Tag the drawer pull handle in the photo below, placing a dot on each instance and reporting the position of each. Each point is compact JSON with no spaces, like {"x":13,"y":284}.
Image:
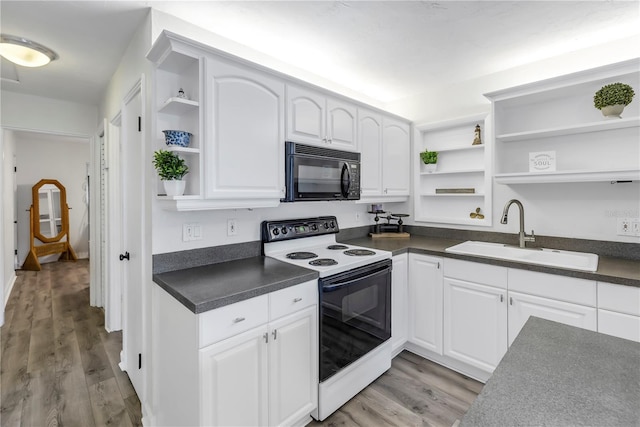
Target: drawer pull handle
{"x":297,"y":299}
{"x":275,"y":334}
{"x":238,"y":319}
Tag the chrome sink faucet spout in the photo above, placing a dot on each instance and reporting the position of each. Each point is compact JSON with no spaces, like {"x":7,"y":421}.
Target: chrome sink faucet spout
{"x":522,"y":236}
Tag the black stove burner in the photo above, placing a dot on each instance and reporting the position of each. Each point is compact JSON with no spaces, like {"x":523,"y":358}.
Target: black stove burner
{"x":359,"y":252}
{"x":301,"y":255}
{"x":337,"y":247}
{"x":323,"y":262}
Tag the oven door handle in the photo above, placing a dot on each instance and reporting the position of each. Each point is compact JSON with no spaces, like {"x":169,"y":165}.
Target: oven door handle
{"x":345,"y":185}
{"x":340,"y":285}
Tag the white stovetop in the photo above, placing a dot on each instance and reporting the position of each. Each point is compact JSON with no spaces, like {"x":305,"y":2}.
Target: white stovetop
{"x":318,"y":245}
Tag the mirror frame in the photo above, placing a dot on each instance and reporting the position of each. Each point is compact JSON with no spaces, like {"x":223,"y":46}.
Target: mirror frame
{"x":64,"y":212}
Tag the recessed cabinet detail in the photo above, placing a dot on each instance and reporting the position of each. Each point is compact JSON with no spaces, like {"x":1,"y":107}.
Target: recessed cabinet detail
{"x":459,"y":190}
{"x":558,"y":115}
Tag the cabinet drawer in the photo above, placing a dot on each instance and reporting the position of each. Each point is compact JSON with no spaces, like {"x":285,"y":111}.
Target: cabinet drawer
{"x":476,"y":272}
{"x":562,"y":288}
{"x":624,"y":299}
{"x":619,"y":325}
{"x":292,"y":299}
{"x":223,"y":322}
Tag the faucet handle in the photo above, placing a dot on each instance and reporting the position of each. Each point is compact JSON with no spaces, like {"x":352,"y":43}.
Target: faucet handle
{"x":531,"y":237}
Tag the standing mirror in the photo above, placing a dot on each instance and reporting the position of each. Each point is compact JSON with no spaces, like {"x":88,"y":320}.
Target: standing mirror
{"x":49,"y":223}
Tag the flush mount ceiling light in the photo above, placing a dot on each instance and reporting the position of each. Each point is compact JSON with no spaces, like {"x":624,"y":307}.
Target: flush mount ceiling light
{"x":25,"y":52}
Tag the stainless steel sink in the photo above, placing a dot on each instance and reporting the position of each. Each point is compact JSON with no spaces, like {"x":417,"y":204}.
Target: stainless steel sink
{"x":550,"y":257}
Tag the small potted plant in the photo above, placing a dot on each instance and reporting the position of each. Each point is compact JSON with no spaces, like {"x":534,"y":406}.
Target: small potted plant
{"x":612,"y":98}
{"x":430,"y":159}
{"x":171,"y":169}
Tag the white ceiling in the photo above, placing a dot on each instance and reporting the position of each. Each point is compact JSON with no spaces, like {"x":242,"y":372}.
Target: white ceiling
{"x":387,"y":50}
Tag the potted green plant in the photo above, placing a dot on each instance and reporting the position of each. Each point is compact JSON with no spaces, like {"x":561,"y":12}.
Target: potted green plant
{"x":171,"y":169}
{"x":612,"y":98}
{"x":430,"y":159}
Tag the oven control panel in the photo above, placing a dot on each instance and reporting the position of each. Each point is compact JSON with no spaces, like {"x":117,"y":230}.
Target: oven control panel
{"x":273,"y":231}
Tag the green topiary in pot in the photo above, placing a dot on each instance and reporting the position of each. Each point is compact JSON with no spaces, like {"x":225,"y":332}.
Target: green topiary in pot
{"x":429,"y":157}
{"x":614,"y":94}
{"x":169,"y":165}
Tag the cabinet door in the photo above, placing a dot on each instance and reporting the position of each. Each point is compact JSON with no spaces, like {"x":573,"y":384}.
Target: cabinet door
{"x":475,"y":323}
{"x":399,"y":302}
{"x":425,"y":302}
{"x":370,"y":146}
{"x":293,"y":367}
{"x":619,"y":325}
{"x":396,"y":166}
{"x":244,"y":147}
{"x":306,"y":116}
{"x":341,"y":125}
{"x":521,"y":306}
{"x":234,"y":381}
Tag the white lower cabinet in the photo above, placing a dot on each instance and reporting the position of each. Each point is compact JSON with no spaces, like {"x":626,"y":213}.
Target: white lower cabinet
{"x":475,"y":323}
{"x":619,"y":311}
{"x":399,"y":303}
{"x":425,"y":302}
{"x":254,"y":362}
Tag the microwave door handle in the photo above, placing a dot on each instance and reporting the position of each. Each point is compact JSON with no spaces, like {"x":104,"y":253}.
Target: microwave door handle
{"x":345,"y":186}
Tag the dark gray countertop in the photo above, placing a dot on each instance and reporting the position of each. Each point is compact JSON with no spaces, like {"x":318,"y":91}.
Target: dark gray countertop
{"x":211,"y":286}
{"x":559,"y":375}
{"x":612,"y":270}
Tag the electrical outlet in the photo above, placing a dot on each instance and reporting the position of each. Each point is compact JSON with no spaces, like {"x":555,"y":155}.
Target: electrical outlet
{"x":357,"y":216}
{"x":191,"y":232}
{"x":629,"y":227}
{"x":232,"y":227}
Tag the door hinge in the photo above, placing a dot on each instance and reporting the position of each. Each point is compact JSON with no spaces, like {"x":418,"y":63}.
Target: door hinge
{"x":139,"y":360}
{"x":15,"y":169}
{"x":139,"y":124}
{"x":15,"y":252}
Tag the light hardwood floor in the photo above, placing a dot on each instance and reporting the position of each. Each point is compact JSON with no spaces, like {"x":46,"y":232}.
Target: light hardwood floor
{"x":58,"y":364}
{"x":60,"y":367}
{"x":414,"y":392}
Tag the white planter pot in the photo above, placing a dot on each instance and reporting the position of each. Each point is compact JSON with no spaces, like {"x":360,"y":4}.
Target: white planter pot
{"x":431,"y":167}
{"x":612,"y":111}
{"x":174,"y":188}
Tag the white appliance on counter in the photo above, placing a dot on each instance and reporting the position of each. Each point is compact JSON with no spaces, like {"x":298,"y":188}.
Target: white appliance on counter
{"x":355,"y":304}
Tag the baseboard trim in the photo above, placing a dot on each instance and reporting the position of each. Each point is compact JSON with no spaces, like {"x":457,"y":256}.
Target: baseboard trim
{"x":7,"y":294}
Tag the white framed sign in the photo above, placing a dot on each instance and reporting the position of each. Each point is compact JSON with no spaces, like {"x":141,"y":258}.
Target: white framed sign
{"x":542,"y":161}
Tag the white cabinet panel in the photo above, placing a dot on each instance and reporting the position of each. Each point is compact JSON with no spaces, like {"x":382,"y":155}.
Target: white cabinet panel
{"x":620,"y":298}
{"x":475,"y":323}
{"x":234,"y":384}
{"x":476,"y":272}
{"x":396,"y":166}
{"x":425,"y":302}
{"x":619,"y":325}
{"x":370,"y":145}
{"x":521,"y":306}
{"x":244,"y":148}
{"x":293,"y":367}
{"x":562,"y":288}
{"x":399,"y":303}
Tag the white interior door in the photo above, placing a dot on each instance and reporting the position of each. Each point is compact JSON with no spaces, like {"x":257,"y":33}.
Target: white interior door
{"x":132,"y":193}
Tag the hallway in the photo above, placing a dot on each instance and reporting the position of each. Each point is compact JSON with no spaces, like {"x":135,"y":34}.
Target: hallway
{"x":58,"y":364}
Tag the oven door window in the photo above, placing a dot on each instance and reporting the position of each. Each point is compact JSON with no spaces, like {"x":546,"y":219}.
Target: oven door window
{"x":355,"y":319}
{"x":315,"y":178}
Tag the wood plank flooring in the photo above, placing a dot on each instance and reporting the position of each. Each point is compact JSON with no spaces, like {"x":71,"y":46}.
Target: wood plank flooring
{"x":58,"y":365}
{"x":414,"y":392}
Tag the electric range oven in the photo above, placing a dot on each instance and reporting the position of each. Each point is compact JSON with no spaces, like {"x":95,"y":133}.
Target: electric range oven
{"x":355,"y":304}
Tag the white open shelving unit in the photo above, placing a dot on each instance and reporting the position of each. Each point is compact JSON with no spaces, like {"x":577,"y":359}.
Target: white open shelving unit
{"x":558,"y":115}
{"x":460,"y":165}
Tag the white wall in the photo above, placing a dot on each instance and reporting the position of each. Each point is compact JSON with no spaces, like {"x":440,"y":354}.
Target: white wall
{"x":36,"y":113}
{"x":41,"y":156}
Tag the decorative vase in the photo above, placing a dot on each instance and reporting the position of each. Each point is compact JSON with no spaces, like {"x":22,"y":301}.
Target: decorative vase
{"x":612,"y":111}
{"x":174,"y":187}
{"x":430,"y":167}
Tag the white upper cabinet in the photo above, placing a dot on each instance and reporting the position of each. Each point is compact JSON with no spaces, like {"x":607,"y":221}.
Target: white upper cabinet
{"x":317,"y":119}
{"x":384,"y":144}
{"x":244,"y":115}
{"x":557,"y":115}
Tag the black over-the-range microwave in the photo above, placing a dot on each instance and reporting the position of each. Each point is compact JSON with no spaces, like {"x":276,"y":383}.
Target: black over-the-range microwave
{"x":319,"y":173}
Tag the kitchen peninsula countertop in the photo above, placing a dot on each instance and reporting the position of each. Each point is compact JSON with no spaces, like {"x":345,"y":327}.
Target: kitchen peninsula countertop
{"x":611,"y":270}
{"x":559,"y":375}
{"x":215,"y":285}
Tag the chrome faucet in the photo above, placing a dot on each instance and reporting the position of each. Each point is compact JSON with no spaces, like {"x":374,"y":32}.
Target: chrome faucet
{"x":522,"y":236}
